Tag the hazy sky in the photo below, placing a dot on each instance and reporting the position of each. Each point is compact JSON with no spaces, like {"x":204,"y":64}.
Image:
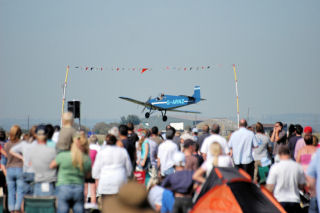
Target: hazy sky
{"x":275,"y":45}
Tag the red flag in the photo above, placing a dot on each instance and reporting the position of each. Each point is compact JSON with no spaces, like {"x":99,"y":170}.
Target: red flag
{"x":143,"y":70}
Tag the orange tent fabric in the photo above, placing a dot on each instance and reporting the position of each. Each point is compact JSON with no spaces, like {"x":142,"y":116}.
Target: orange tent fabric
{"x":219,"y":199}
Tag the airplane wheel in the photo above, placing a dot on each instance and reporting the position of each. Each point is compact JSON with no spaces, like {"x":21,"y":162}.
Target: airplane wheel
{"x":164,"y":118}
{"x":147,"y":115}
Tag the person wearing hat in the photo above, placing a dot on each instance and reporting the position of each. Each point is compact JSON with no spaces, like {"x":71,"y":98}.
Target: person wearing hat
{"x":124,"y":202}
{"x":301,"y":143}
{"x":181,"y":184}
{"x":40,"y":159}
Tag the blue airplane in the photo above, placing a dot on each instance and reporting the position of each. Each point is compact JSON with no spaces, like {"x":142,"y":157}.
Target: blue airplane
{"x":165,"y":103}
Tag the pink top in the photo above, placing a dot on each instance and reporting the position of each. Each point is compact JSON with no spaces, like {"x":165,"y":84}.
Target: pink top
{"x":304,"y":156}
{"x":299,"y":145}
{"x":305,"y":159}
{"x":93,"y":154}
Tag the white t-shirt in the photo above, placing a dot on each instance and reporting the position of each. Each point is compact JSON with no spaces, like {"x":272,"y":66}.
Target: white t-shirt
{"x":205,"y":148}
{"x":166,"y":152}
{"x":55,"y":137}
{"x":286,"y":176}
{"x":112,"y":166}
{"x":223,"y":161}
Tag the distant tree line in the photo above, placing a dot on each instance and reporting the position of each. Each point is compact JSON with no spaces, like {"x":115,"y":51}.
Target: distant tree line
{"x":102,"y":128}
{"x":130,"y":119}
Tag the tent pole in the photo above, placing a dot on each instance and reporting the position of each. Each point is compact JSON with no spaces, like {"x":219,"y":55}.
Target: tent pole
{"x":64,"y":93}
{"x":237,"y":93}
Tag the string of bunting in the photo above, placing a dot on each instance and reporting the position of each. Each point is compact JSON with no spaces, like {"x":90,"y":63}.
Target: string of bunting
{"x":144,"y":69}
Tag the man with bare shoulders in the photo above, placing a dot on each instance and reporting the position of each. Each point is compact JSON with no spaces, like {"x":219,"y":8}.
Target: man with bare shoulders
{"x":66,"y":133}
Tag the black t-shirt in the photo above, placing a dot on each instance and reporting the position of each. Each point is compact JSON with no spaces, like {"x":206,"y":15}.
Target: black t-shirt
{"x":200,"y":159}
{"x":129,"y":145}
{"x":133,"y":137}
{"x":292,"y":144}
{"x":201,"y":138}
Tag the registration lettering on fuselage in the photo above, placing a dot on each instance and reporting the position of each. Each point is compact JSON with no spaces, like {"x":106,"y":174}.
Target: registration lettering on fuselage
{"x":175,"y":101}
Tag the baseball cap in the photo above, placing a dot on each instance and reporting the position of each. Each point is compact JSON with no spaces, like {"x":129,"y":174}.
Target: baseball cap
{"x":41,"y":130}
{"x":179,"y":159}
{"x":307,"y":129}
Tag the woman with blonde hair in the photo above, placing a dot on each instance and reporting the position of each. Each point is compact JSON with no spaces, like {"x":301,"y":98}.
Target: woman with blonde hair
{"x":14,"y":171}
{"x":74,"y":166}
{"x":218,"y":160}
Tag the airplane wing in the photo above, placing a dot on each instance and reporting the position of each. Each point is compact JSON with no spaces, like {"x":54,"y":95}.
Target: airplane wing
{"x":139,"y":102}
{"x":184,"y":111}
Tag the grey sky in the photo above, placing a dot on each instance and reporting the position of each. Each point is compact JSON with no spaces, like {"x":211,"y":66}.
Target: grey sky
{"x":275,"y":45}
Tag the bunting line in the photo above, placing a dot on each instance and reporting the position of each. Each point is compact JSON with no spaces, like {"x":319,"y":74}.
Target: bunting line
{"x":143,"y":69}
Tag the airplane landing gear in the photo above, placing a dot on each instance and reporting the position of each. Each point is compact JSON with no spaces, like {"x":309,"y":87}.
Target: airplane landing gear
{"x":164,"y":118}
{"x":147,"y":115}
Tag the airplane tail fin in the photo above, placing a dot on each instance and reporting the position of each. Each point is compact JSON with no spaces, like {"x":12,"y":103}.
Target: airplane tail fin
{"x":196,"y":93}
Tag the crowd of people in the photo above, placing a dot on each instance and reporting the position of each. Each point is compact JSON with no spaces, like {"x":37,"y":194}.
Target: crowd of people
{"x":82,"y":173}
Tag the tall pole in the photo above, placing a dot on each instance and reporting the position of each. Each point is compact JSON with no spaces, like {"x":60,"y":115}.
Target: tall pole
{"x":28,"y":122}
{"x":64,"y":92}
{"x":237,"y":93}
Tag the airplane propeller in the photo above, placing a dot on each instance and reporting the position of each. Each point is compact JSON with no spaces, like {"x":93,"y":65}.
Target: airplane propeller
{"x":146,"y":103}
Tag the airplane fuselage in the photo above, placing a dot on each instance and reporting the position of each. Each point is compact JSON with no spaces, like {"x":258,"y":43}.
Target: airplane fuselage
{"x":171,"y":101}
